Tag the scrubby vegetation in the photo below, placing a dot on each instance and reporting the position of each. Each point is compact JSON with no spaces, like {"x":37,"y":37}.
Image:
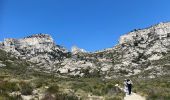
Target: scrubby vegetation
{"x":59,"y":88}
{"x":76,"y":88}
{"x":17,"y":80}
{"x":153,"y":89}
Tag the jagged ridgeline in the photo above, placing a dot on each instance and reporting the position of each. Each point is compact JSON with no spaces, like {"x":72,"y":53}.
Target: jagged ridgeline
{"x":141,"y":53}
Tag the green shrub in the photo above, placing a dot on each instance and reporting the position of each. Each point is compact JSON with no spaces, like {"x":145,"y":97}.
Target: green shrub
{"x":53,"y":89}
{"x":39,"y":83}
{"x":26,"y":88}
{"x":5,"y":96}
{"x":153,"y":89}
{"x":63,"y":96}
{"x":60,"y":96}
{"x":6,"y":86}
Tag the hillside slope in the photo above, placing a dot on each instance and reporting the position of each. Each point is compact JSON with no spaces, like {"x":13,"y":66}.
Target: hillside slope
{"x":136,"y":53}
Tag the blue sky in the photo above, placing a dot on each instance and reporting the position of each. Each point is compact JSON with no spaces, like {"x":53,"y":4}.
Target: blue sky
{"x":89,"y":24}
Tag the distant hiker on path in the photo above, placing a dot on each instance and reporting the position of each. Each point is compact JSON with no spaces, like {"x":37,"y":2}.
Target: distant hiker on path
{"x":129,"y":85}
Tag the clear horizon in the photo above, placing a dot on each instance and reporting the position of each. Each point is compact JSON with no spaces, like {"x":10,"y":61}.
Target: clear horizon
{"x":89,"y":24}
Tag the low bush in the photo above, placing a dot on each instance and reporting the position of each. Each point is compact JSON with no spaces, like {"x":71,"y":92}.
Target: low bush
{"x":153,"y":89}
{"x":53,"y":89}
{"x":26,"y":88}
{"x":59,"y":96}
{"x":6,"y":86}
{"x":63,"y":96}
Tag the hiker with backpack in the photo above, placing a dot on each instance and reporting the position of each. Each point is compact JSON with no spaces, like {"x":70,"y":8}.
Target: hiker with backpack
{"x":129,"y":85}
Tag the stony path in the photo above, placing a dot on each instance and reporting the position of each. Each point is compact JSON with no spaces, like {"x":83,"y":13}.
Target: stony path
{"x":134,"y":96}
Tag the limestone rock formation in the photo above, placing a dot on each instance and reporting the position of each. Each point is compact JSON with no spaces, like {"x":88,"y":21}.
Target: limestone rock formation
{"x":76,"y":50}
{"x":38,"y":48}
{"x":142,"y":52}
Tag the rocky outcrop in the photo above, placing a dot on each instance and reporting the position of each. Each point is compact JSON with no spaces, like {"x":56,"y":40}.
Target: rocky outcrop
{"x":76,"y":50}
{"x":136,"y":54}
{"x":147,"y":44}
{"x":39,"y":49}
{"x":140,"y":48}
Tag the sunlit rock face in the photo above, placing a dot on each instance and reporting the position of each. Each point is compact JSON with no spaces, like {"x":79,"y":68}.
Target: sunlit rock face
{"x":38,"y":48}
{"x":137,"y":53}
{"x":40,"y":42}
{"x":140,"y":48}
{"x":158,"y":31}
{"x":148,"y":41}
{"x":76,"y":50}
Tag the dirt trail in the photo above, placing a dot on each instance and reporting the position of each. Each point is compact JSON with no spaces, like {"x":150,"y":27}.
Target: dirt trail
{"x":134,"y":96}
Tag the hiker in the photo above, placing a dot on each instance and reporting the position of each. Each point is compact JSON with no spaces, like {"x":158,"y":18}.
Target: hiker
{"x":125,"y":86}
{"x":129,"y":85}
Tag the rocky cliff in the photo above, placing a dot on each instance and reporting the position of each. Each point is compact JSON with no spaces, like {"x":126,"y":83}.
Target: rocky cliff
{"x":142,"y":52}
{"x":39,"y":49}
